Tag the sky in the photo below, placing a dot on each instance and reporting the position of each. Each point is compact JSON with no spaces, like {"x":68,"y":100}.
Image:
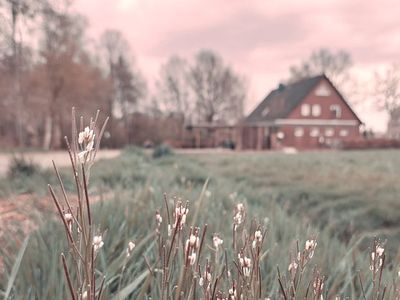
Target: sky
{"x":261,"y":39}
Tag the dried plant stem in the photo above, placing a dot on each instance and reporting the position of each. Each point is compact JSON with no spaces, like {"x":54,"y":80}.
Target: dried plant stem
{"x":65,"y":195}
{"x":69,"y":235}
{"x":101,"y":288}
{"x":281,"y":285}
{"x":86,"y":197}
{"x":67,"y":275}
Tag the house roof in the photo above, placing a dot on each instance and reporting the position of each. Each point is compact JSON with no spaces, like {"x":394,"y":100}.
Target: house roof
{"x":279,"y":103}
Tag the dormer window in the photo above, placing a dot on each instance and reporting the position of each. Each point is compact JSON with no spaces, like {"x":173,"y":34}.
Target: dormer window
{"x":336,"y":110}
{"x":265,"y":112}
{"x":323,"y":90}
{"x":305,"y":110}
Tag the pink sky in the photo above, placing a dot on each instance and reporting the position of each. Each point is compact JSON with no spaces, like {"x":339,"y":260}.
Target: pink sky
{"x":261,"y":39}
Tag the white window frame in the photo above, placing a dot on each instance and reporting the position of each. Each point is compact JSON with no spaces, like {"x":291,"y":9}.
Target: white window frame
{"x":305,"y":110}
{"x":316,"y":110}
{"x":344,"y":132}
{"x":280,"y":135}
{"x":323,"y":90}
{"x":298,"y":132}
{"x":337,"y":110}
{"x":314,"y":132}
{"x":329,"y":132}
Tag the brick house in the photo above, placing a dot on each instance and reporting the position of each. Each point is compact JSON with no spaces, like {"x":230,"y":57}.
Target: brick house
{"x":307,"y":114}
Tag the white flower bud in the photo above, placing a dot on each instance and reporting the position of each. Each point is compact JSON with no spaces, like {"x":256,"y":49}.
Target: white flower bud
{"x":97,"y":242}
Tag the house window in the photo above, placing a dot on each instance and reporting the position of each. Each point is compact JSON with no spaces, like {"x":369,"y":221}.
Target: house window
{"x":298,"y":132}
{"x":343,"y":132}
{"x":265,"y":112}
{"x":314,"y":132}
{"x":336,"y":110}
{"x":316,"y":110}
{"x":329,"y":132}
{"x":305,"y":110}
{"x":323,"y":91}
{"x":280,"y":135}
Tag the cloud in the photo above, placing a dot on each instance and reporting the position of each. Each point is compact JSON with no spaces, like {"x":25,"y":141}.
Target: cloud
{"x":236,"y":35}
{"x":125,"y":5}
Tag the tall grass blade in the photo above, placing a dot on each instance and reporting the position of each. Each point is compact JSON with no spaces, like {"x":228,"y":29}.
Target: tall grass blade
{"x":125,"y":292}
{"x":199,"y":201}
{"x":15,"y":268}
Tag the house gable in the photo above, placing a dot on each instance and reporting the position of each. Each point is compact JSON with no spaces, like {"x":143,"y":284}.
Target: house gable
{"x":285,"y":102}
{"x":325,"y":96}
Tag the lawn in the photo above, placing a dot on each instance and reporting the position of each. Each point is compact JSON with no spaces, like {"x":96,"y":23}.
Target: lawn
{"x":354,"y":192}
{"x":343,"y":199}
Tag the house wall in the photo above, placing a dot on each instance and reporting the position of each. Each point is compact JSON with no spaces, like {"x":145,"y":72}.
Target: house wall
{"x":325,"y":102}
{"x":322,"y":140}
{"x":310,"y":142}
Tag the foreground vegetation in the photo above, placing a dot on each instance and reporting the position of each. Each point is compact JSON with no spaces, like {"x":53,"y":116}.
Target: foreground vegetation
{"x":293,"y":199}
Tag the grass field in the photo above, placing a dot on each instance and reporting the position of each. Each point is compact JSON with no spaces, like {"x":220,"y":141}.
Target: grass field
{"x":344,"y":199}
{"x":348,"y":192}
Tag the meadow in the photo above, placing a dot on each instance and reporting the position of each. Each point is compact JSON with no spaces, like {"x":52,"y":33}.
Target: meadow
{"x":343,"y":200}
{"x":349,"y":192}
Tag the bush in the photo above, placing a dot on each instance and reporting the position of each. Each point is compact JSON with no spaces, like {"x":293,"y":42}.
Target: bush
{"x":229,"y":144}
{"x":162,"y":150}
{"x":22,"y":167}
{"x":25,"y":176}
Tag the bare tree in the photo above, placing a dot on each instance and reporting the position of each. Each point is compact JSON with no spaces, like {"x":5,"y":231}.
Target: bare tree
{"x":334,"y":65}
{"x":129,"y":85}
{"x":387,"y":92}
{"x":61,"y":48}
{"x":173,"y":92}
{"x":17,"y":11}
{"x":114,"y":46}
{"x":219,"y":92}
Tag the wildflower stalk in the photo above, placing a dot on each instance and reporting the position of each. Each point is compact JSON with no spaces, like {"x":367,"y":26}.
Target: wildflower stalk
{"x":78,"y":226}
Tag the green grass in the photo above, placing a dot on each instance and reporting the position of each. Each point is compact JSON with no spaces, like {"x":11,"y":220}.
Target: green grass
{"x":344,"y":198}
{"x":349,"y":192}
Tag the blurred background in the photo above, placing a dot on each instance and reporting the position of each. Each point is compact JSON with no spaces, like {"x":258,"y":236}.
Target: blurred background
{"x":145,"y":64}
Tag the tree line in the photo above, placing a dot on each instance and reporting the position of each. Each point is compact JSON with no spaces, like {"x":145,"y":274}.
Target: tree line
{"x":41,"y":80}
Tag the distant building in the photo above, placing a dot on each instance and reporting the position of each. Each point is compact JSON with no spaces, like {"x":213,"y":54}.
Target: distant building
{"x":307,"y":114}
{"x":393,"y":128}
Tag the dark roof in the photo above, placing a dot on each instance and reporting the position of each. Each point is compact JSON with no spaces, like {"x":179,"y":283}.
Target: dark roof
{"x":280,"y":102}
